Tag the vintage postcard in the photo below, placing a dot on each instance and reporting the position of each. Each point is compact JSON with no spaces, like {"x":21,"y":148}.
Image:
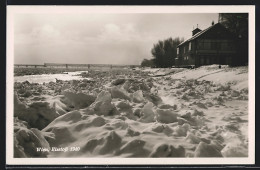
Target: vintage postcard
{"x":119,"y":85}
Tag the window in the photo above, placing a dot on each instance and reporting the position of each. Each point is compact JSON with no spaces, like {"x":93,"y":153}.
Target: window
{"x":207,"y":45}
{"x":227,"y":45}
{"x":200,"y":46}
{"x":224,"y":46}
{"x":177,"y":50}
{"x":208,"y":61}
{"x":214,"y":45}
{"x":184,"y":49}
{"x":190,"y":46}
{"x":201,"y":60}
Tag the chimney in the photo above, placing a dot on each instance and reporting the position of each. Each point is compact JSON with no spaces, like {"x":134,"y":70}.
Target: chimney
{"x":196,"y":30}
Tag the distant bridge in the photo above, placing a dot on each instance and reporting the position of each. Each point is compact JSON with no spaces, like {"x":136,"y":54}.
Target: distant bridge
{"x":59,"y":65}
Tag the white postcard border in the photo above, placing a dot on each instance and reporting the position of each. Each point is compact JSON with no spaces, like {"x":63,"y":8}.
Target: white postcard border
{"x":13,"y":10}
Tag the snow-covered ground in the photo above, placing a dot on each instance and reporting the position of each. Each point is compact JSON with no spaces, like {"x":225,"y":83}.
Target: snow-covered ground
{"x":174,"y":112}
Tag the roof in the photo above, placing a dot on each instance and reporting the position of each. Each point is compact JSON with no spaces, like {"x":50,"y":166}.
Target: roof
{"x":198,"y":34}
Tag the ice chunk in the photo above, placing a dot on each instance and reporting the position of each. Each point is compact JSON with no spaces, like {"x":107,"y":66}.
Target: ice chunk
{"x":57,"y":103}
{"x":158,"y":128}
{"x":201,"y":105}
{"x":103,"y":108}
{"x":231,"y":150}
{"x":224,"y":88}
{"x":18,"y":150}
{"x":102,"y":105}
{"x":112,"y":143}
{"x":134,"y":147}
{"x":91,"y":145}
{"x":147,"y":113}
{"x":27,"y":141}
{"x":19,"y":123}
{"x":206,"y":150}
{"x":181,"y":130}
{"x":123,"y":106}
{"x":98,"y":121}
{"x":186,"y":114}
{"x":104,"y":96}
{"x":137,"y":112}
{"x":26,"y":94}
{"x":235,"y":93}
{"x":119,"y":93}
{"x":132,"y":132}
{"x":166,"y":116}
{"x":165,"y":150}
{"x":118,"y":81}
{"x":217,"y":145}
{"x":18,"y":105}
{"x":138,"y":96}
{"x":79,"y":100}
{"x":184,"y":97}
{"x":155,"y":99}
{"x":37,"y":114}
{"x":167,"y":106}
{"x":196,"y":112}
{"x":191,"y":138}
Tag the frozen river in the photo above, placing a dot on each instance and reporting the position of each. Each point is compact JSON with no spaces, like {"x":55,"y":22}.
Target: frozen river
{"x":45,"y":78}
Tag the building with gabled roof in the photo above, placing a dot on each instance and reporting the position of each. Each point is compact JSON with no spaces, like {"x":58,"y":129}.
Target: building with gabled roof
{"x":214,"y":45}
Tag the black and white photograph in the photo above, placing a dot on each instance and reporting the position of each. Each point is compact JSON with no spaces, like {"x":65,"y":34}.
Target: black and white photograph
{"x":160,"y":84}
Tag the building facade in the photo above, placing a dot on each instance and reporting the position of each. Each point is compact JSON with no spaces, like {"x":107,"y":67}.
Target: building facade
{"x":214,"y":45}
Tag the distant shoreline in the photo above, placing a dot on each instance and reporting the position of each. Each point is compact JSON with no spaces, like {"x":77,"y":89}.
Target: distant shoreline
{"x":22,"y":71}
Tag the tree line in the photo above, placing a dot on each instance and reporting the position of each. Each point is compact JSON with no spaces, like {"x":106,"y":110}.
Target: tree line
{"x":164,"y":53}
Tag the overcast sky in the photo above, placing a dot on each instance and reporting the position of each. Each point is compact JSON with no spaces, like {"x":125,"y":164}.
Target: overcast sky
{"x":98,"y":38}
